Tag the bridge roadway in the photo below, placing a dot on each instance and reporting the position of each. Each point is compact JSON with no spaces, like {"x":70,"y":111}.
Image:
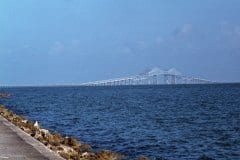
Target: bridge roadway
{"x":17,"y":145}
{"x":154,"y":76}
{"x":150,"y":79}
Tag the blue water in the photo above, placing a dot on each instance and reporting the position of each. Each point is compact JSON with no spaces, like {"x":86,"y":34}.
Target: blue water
{"x":161,"y":122}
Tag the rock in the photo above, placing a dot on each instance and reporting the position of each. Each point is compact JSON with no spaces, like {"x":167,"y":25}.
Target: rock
{"x":37,"y":135}
{"x":74,"y":156}
{"x":27,"y":130}
{"x":2,"y":109}
{"x":40,"y":138}
{"x":53,"y":148}
{"x":24,"y":121}
{"x":30,"y":125}
{"x":64,"y":155}
{"x":108,"y":155}
{"x":59,"y":148}
{"x":70,"y":141}
{"x":69,"y":155}
{"x":44,"y":132}
{"x":17,"y":120}
{"x":88,"y":156}
{"x":55,"y":139}
{"x":85,"y":154}
{"x":85,"y":148}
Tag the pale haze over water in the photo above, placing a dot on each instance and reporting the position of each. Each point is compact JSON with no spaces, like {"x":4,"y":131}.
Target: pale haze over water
{"x":71,"y":41}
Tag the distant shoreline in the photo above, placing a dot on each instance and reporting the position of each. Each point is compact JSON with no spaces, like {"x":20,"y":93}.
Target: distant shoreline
{"x":4,"y":95}
{"x":75,"y":85}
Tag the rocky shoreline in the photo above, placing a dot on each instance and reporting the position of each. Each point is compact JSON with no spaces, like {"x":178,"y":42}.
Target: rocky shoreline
{"x":67,"y":147}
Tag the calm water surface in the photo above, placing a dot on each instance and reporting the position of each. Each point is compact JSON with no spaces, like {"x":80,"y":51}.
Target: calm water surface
{"x":162,"y":122}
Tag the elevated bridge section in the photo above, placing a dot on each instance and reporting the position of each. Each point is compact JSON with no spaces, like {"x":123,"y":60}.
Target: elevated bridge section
{"x":155,"y":76}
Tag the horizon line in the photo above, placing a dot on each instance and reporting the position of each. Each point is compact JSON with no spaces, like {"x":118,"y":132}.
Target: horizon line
{"x":80,"y":85}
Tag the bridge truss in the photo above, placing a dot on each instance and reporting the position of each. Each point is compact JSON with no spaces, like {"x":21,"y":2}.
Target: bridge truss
{"x":152,"y":77}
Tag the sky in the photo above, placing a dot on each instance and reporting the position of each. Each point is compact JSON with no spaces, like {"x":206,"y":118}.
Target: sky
{"x":46,"y":42}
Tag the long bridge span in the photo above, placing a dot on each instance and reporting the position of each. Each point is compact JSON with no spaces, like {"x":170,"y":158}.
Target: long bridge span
{"x":154,"y":76}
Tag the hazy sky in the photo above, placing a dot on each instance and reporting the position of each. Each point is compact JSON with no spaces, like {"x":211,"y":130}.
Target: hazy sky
{"x":74,"y":41}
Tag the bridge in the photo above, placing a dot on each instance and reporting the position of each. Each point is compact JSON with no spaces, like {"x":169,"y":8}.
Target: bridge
{"x":154,"y":76}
